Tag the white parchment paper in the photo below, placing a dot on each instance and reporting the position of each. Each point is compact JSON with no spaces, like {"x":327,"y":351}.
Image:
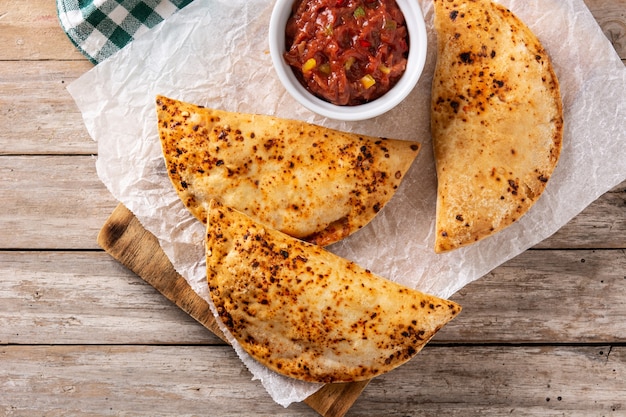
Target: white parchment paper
{"x":215,"y":53}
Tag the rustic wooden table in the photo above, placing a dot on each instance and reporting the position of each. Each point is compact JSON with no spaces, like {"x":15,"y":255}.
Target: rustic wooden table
{"x":543,"y":334}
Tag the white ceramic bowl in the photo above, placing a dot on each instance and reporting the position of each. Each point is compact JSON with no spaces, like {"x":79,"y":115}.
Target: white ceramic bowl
{"x":415,"y":64}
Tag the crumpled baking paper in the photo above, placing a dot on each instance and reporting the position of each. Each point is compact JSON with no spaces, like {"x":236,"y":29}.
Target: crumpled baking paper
{"x":215,"y":53}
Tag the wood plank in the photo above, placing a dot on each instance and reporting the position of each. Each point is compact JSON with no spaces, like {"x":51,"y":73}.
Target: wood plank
{"x":604,"y":217}
{"x":86,"y":298}
{"x":189,"y":380}
{"x":68,"y":188}
{"x":502,"y":381}
{"x":51,"y":202}
{"x":611,"y":16}
{"x":89,"y":298}
{"x":131,"y":380}
{"x":37,"y":113}
{"x":552,"y":296}
{"x":30,"y":30}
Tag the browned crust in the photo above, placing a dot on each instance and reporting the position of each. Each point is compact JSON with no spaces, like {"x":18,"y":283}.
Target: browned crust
{"x":308,"y":314}
{"x":496,"y":119}
{"x":308,"y":181}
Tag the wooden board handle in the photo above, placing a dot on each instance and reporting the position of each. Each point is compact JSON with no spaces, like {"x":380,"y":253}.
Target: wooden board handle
{"x":126,"y":240}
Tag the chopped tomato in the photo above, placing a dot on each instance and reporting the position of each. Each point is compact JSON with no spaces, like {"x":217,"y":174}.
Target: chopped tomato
{"x":347,"y":52}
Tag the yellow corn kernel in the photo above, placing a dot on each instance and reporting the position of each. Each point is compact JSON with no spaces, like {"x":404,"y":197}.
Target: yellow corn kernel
{"x":384,"y":69}
{"x":367,"y":81}
{"x":309,"y":65}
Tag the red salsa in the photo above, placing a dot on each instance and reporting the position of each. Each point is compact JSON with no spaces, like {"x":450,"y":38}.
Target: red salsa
{"x":347,"y":52}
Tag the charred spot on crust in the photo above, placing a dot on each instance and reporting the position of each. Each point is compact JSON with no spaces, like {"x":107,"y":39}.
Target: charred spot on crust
{"x":466,"y":57}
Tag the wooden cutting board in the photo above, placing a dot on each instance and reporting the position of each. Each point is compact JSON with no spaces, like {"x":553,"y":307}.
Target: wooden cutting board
{"x":124,"y":238}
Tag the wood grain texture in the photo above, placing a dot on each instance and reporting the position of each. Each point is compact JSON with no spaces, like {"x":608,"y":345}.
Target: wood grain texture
{"x":35,"y":71}
{"x":37,"y":113}
{"x":29,"y":30}
{"x":491,"y":381}
{"x":611,"y":16}
{"x":539,"y":297}
{"x":51,"y":202}
{"x":67,"y":187}
{"x":541,"y":335}
{"x":602,"y":225}
{"x":132,"y":381}
{"x":189,"y":380}
{"x":123,"y":237}
{"x":553,"y":296}
{"x":86,"y":298}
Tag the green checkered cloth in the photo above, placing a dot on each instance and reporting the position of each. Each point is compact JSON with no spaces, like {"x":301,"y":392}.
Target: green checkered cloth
{"x":99,"y":28}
